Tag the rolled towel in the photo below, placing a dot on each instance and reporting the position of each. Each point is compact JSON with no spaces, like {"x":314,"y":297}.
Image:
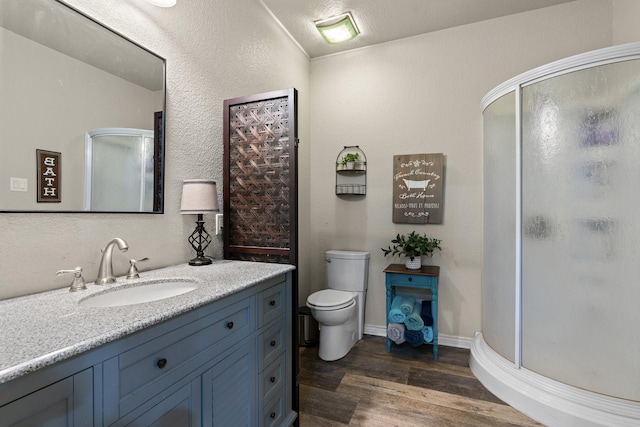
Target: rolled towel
{"x":427,"y":333}
{"x":395,"y":313}
{"x":425,"y":313}
{"x":413,"y":321}
{"x":407,"y":305}
{"x":395,"y":332}
{"x":414,"y":338}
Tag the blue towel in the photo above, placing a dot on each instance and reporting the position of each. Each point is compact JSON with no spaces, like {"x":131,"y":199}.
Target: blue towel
{"x":427,"y":333}
{"x":413,"y":321}
{"x":414,"y":338}
{"x":407,"y":305}
{"x":425,"y":313}
{"x":395,"y":332}
{"x":395,"y":314}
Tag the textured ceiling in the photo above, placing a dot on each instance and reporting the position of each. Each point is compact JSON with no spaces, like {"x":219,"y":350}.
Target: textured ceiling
{"x":380,"y":21}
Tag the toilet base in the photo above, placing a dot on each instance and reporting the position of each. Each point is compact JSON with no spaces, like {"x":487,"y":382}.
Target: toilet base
{"x":336,"y":341}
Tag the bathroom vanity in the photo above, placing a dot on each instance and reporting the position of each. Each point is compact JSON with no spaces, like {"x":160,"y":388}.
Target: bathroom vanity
{"x":220,"y":354}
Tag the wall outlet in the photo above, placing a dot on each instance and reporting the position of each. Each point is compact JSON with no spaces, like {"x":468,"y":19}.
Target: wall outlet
{"x":219,"y":222}
{"x":17,"y":184}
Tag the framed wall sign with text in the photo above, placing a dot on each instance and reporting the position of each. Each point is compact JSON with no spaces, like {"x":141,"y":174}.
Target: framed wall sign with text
{"x":417,"y":188}
{"x":48,"y":176}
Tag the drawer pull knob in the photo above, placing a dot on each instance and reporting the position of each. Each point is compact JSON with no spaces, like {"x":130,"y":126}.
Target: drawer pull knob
{"x":162,"y":363}
{"x":273,"y":415}
{"x":272,"y":303}
{"x":272,"y":379}
{"x":410,"y":279}
{"x":273,"y":343}
{"x":230,"y":325}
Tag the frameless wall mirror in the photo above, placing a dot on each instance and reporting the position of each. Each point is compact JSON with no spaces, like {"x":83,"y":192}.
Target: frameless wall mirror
{"x":64,"y":79}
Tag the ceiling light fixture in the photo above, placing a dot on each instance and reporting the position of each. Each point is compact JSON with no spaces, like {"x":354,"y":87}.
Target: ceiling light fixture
{"x":162,"y":3}
{"x":338,"y":29}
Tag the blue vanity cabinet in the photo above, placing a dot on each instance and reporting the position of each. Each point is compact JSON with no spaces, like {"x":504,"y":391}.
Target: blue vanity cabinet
{"x":205,"y":367}
{"x":227,"y":363}
{"x":160,"y":359}
{"x":68,"y":402}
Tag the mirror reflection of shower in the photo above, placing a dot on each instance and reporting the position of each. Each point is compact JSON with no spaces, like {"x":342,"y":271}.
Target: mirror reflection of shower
{"x":119,"y":170}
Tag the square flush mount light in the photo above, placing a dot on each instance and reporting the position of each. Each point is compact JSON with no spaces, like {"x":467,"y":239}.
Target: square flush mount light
{"x":338,"y":29}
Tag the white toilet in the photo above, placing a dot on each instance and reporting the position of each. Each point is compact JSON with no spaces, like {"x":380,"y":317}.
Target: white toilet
{"x":339,"y":310}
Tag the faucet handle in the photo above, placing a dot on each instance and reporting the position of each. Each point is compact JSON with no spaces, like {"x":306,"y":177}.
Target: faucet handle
{"x":78,"y":281}
{"x":133,"y":272}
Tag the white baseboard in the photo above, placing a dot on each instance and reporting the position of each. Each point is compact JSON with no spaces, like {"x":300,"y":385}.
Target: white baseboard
{"x":550,"y":402}
{"x":446,"y":340}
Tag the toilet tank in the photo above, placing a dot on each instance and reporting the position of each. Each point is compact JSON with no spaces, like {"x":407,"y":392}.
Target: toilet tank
{"x":347,"y":270}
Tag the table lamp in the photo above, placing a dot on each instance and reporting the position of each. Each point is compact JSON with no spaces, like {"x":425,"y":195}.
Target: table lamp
{"x":199,"y":196}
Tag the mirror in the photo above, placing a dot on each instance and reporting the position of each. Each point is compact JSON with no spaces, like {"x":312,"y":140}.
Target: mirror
{"x":64,"y":80}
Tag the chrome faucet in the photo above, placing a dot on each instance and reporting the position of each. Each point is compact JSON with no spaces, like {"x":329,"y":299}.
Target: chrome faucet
{"x":105,"y":271}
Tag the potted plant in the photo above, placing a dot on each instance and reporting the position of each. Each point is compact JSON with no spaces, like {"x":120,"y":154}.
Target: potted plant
{"x":349,"y":160}
{"x":413,"y":246}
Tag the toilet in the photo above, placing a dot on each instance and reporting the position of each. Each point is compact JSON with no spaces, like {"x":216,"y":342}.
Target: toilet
{"x":339,"y":309}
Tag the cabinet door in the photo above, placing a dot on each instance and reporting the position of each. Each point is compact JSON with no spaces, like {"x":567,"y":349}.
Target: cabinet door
{"x":68,"y":402}
{"x":181,"y":408}
{"x":229,"y":390}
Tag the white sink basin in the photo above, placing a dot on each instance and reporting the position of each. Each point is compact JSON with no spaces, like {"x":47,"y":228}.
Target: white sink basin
{"x":143,"y":292}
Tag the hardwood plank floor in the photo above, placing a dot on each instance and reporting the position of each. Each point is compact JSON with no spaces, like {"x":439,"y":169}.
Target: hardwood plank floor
{"x":370,"y":387}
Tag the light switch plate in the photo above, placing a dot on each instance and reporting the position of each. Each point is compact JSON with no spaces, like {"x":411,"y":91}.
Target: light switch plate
{"x":17,"y":184}
{"x":219,"y":222}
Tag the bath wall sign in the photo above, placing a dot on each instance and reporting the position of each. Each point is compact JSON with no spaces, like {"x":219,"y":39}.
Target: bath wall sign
{"x":417,"y":188}
{"x":48,"y":163}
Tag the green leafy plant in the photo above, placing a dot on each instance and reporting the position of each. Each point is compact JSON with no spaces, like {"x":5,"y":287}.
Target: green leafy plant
{"x":412,"y":245}
{"x":350,"y":157}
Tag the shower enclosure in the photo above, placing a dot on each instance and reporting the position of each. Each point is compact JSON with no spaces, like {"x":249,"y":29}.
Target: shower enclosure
{"x":119,"y":170}
{"x":561,"y":260}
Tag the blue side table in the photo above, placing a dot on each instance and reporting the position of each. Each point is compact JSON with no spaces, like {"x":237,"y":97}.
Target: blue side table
{"x":397,"y":275}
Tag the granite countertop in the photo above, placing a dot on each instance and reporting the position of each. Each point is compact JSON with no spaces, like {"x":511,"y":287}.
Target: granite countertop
{"x":42,"y":329}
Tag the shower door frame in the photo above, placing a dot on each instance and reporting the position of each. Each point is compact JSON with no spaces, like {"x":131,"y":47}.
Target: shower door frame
{"x":626,"y":52}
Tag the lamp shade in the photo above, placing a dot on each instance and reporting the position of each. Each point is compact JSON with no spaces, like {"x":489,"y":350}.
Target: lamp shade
{"x":199,"y":196}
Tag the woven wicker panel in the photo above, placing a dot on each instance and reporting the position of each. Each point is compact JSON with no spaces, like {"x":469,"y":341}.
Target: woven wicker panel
{"x":259,"y":174}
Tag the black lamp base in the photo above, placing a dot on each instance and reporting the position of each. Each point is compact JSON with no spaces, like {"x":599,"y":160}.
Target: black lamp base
{"x":199,"y":240}
{"x":200,"y":261}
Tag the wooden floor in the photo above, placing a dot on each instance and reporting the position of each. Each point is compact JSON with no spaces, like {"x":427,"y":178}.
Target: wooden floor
{"x":370,"y":387}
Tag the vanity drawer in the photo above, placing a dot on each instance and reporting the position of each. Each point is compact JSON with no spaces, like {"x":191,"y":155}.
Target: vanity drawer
{"x":270,"y":345}
{"x":271,"y":304}
{"x":149,"y":368}
{"x":273,"y":412}
{"x":272,"y":379}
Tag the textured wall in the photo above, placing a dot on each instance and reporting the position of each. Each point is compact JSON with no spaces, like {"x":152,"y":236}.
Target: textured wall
{"x":625,"y":21}
{"x":214,"y":50}
{"x":422,"y":95}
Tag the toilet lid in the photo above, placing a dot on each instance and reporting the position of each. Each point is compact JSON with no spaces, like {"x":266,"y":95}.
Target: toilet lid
{"x":330,"y":298}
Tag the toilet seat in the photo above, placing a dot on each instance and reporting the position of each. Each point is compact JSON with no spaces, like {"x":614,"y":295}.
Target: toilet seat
{"x":330,"y":299}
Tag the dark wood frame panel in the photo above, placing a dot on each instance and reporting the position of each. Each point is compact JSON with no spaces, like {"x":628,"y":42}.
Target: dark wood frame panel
{"x":256,"y":252}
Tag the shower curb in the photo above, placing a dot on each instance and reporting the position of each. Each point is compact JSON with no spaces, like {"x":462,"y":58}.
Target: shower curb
{"x":545,"y":400}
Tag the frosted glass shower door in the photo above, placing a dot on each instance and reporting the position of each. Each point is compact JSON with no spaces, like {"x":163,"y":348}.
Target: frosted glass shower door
{"x":119,"y":170}
{"x":499,"y":242}
{"x":581,"y":230}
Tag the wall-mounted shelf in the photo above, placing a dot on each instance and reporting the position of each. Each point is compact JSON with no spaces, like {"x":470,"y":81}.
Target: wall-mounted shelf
{"x":351,"y":177}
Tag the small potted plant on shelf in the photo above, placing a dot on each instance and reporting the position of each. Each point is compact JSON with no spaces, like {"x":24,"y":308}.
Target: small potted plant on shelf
{"x":349,"y":160}
{"x":413,"y":246}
